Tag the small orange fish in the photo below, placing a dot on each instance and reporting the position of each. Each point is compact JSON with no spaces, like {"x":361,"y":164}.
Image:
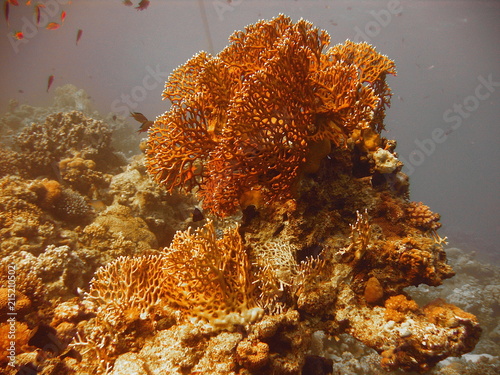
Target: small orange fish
{"x":78,"y":35}
{"x":98,"y":205}
{"x":142,"y":5}
{"x":53,"y":26}
{"x":18,"y":35}
{"x":127,"y":3}
{"x":28,"y":2}
{"x":63,"y":16}
{"x":13,"y":2}
{"x":37,"y":12}
{"x":50,"y":81}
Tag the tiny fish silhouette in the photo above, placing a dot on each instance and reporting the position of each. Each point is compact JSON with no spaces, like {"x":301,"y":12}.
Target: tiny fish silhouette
{"x":6,"y":8}
{"x":78,"y":35}
{"x":37,"y":12}
{"x":50,"y":81}
{"x":142,"y":5}
{"x":145,"y":123}
{"x":197,"y":215}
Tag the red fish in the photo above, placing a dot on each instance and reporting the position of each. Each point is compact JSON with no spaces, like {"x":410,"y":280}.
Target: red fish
{"x":18,"y":35}
{"x":78,"y":35}
{"x":50,"y":81}
{"x":63,"y":16}
{"x":37,"y":12}
{"x":13,"y":2}
{"x":142,"y":5}
{"x":6,"y":7}
{"x":53,"y":26}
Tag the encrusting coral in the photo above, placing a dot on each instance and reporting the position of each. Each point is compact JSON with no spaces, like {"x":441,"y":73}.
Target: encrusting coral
{"x":245,"y":124}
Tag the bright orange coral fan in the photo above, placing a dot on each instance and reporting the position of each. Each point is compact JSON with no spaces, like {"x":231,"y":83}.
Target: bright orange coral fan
{"x":244,"y":122}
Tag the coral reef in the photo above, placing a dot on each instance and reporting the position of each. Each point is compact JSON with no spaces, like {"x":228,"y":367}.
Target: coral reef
{"x":59,"y":222}
{"x":309,"y":257}
{"x":290,"y":135}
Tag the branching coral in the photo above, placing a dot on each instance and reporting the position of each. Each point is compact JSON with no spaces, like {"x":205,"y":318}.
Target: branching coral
{"x":245,"y":120}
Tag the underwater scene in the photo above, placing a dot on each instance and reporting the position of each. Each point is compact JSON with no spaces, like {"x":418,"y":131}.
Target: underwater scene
{"x":244,"y":187}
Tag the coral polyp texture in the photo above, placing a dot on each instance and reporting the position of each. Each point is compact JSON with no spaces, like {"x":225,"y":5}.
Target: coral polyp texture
{"x":245,"y":124}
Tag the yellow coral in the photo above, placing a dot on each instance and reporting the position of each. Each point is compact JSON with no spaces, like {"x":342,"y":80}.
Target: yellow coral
{"x":22,"y":336}
{"x":253,"y":356}
{"x":214,"y":274}
{"x":13,"y":301}
{"x":246,"y":119}
{"x":360,"y":235}
{"x":205,"y":277}
{"x":128,"y":288}
{"x":52,"y":192}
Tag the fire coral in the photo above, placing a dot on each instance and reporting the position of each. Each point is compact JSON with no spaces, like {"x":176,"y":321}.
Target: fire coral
{"x":246,"y":123}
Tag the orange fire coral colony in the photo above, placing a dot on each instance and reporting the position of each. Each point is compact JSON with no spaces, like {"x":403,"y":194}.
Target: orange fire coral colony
{"x":246,"y":123}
